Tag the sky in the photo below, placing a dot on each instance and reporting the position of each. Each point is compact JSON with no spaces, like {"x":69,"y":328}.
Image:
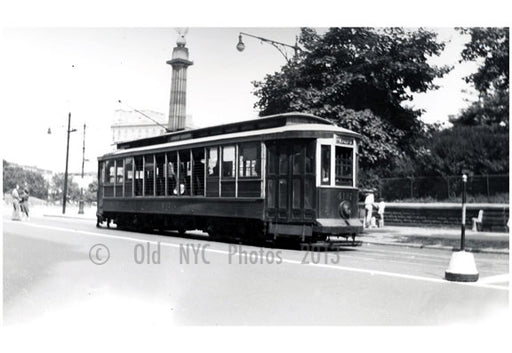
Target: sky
{"x":50,"y":72}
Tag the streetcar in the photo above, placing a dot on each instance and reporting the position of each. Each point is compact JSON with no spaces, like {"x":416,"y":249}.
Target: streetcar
{"x":291,"y":175}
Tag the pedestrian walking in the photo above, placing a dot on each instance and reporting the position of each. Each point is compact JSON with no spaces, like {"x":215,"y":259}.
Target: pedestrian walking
{"x":16,"y":204}
{"x":380,"y":211}
{"x":24,"y":202}
{"x":368,"y":205}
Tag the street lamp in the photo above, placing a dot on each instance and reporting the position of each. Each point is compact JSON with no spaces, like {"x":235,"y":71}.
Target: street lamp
{"x":278,"y":45}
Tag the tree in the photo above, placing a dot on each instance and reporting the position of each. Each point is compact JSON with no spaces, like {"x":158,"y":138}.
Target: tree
{"x":90,"y":194}
{"x":477,"y":149}
{"x":489,"y":46}
{"x":57,"y":189}
{"x":14,"y":174}
{"x":359,"y":78}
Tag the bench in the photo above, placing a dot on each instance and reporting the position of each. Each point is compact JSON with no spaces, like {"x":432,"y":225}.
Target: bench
{"x":492,"y":220}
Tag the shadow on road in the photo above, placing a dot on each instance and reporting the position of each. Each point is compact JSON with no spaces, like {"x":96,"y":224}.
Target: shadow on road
{"x":284,"y":244}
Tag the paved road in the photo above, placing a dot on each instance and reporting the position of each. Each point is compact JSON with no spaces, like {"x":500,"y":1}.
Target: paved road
{"x":49,"y":277}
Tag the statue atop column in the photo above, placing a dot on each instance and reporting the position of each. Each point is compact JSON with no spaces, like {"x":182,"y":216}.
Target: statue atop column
{"x":179,"y":63}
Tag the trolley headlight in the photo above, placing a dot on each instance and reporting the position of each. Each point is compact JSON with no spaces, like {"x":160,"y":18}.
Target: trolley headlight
{"x":345,"y":209}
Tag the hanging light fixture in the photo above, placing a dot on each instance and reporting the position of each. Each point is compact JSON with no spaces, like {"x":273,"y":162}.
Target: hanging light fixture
{"x":240,"y":46}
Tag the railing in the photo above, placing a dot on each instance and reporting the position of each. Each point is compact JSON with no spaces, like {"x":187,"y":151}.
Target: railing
{"x":481,"y":188}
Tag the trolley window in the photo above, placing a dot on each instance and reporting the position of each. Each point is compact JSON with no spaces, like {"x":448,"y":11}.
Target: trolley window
{"x":212,"y":172}
{"x":228,"y":172}
{"x":108,"y":178}
{"x":128,"y":176}
{"x":298,"y":160}
{"x":160,"y":174}
{"x":102,"y":173}
{"x":119,"y":178}
{"x":228,"y":162}
{"x":248,"y":160}
{"x":109,"y":172}
{"x":249,"y":170}
{"x":325,"y":164}
{"x":119,"y":171}
{"x":310,"y":157}
{"x":343,"y":166}
{"x":149,"y":175}
{"x":185,"y":172}
{"x":213,"y":162}
{"x":139,"y":176}
{"x":172,"y":173}
{"x":198,"y":171}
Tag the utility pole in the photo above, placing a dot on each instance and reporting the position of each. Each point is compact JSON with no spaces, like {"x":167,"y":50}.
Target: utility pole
{"x":65,"y":191}
{"x":81,"y":202}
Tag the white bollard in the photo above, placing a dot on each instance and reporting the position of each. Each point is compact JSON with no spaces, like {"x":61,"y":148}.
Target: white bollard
{"x":462,"y":268}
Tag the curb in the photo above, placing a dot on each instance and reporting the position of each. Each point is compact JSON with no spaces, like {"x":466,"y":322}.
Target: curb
{"x":73,"y":217}
{"x":449,"y":248}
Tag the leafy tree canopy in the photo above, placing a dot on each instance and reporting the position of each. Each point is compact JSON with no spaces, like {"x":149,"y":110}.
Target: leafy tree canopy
{"x":477,"y":149}
{"x":57,"y":190}
{"x":490,"y":47}
{"x":358,"y":78}
{"x":14,"y":174}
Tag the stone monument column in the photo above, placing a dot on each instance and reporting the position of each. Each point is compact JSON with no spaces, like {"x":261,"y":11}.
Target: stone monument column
{"x":178,"y":104}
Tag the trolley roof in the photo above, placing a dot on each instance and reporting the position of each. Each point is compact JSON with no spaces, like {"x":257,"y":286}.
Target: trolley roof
{"x":268,"y":122}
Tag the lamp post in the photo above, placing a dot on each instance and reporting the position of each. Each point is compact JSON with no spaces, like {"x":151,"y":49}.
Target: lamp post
{"x":81,"y":202}
{"x":278,"y":45}
{"x":462,"y":267}
{"x":463,"y":225}
{"x":65,"y":191}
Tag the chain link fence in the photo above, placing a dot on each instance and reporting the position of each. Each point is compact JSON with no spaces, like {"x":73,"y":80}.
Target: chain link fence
{"x":480,"y":188}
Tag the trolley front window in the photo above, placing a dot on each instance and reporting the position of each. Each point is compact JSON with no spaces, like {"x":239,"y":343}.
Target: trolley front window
{"x":343,"y":166}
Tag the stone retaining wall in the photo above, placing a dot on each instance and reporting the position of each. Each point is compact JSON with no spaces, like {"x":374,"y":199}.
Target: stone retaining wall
{"x":445,"y":215}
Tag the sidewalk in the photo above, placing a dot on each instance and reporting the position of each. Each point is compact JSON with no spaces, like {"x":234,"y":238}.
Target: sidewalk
{"x":71,"y":212}
{"x":39,"y":211}
{"x":438,"y":238}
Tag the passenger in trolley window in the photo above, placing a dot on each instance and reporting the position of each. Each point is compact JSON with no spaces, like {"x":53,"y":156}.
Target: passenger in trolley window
{"x":171,"y":179}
